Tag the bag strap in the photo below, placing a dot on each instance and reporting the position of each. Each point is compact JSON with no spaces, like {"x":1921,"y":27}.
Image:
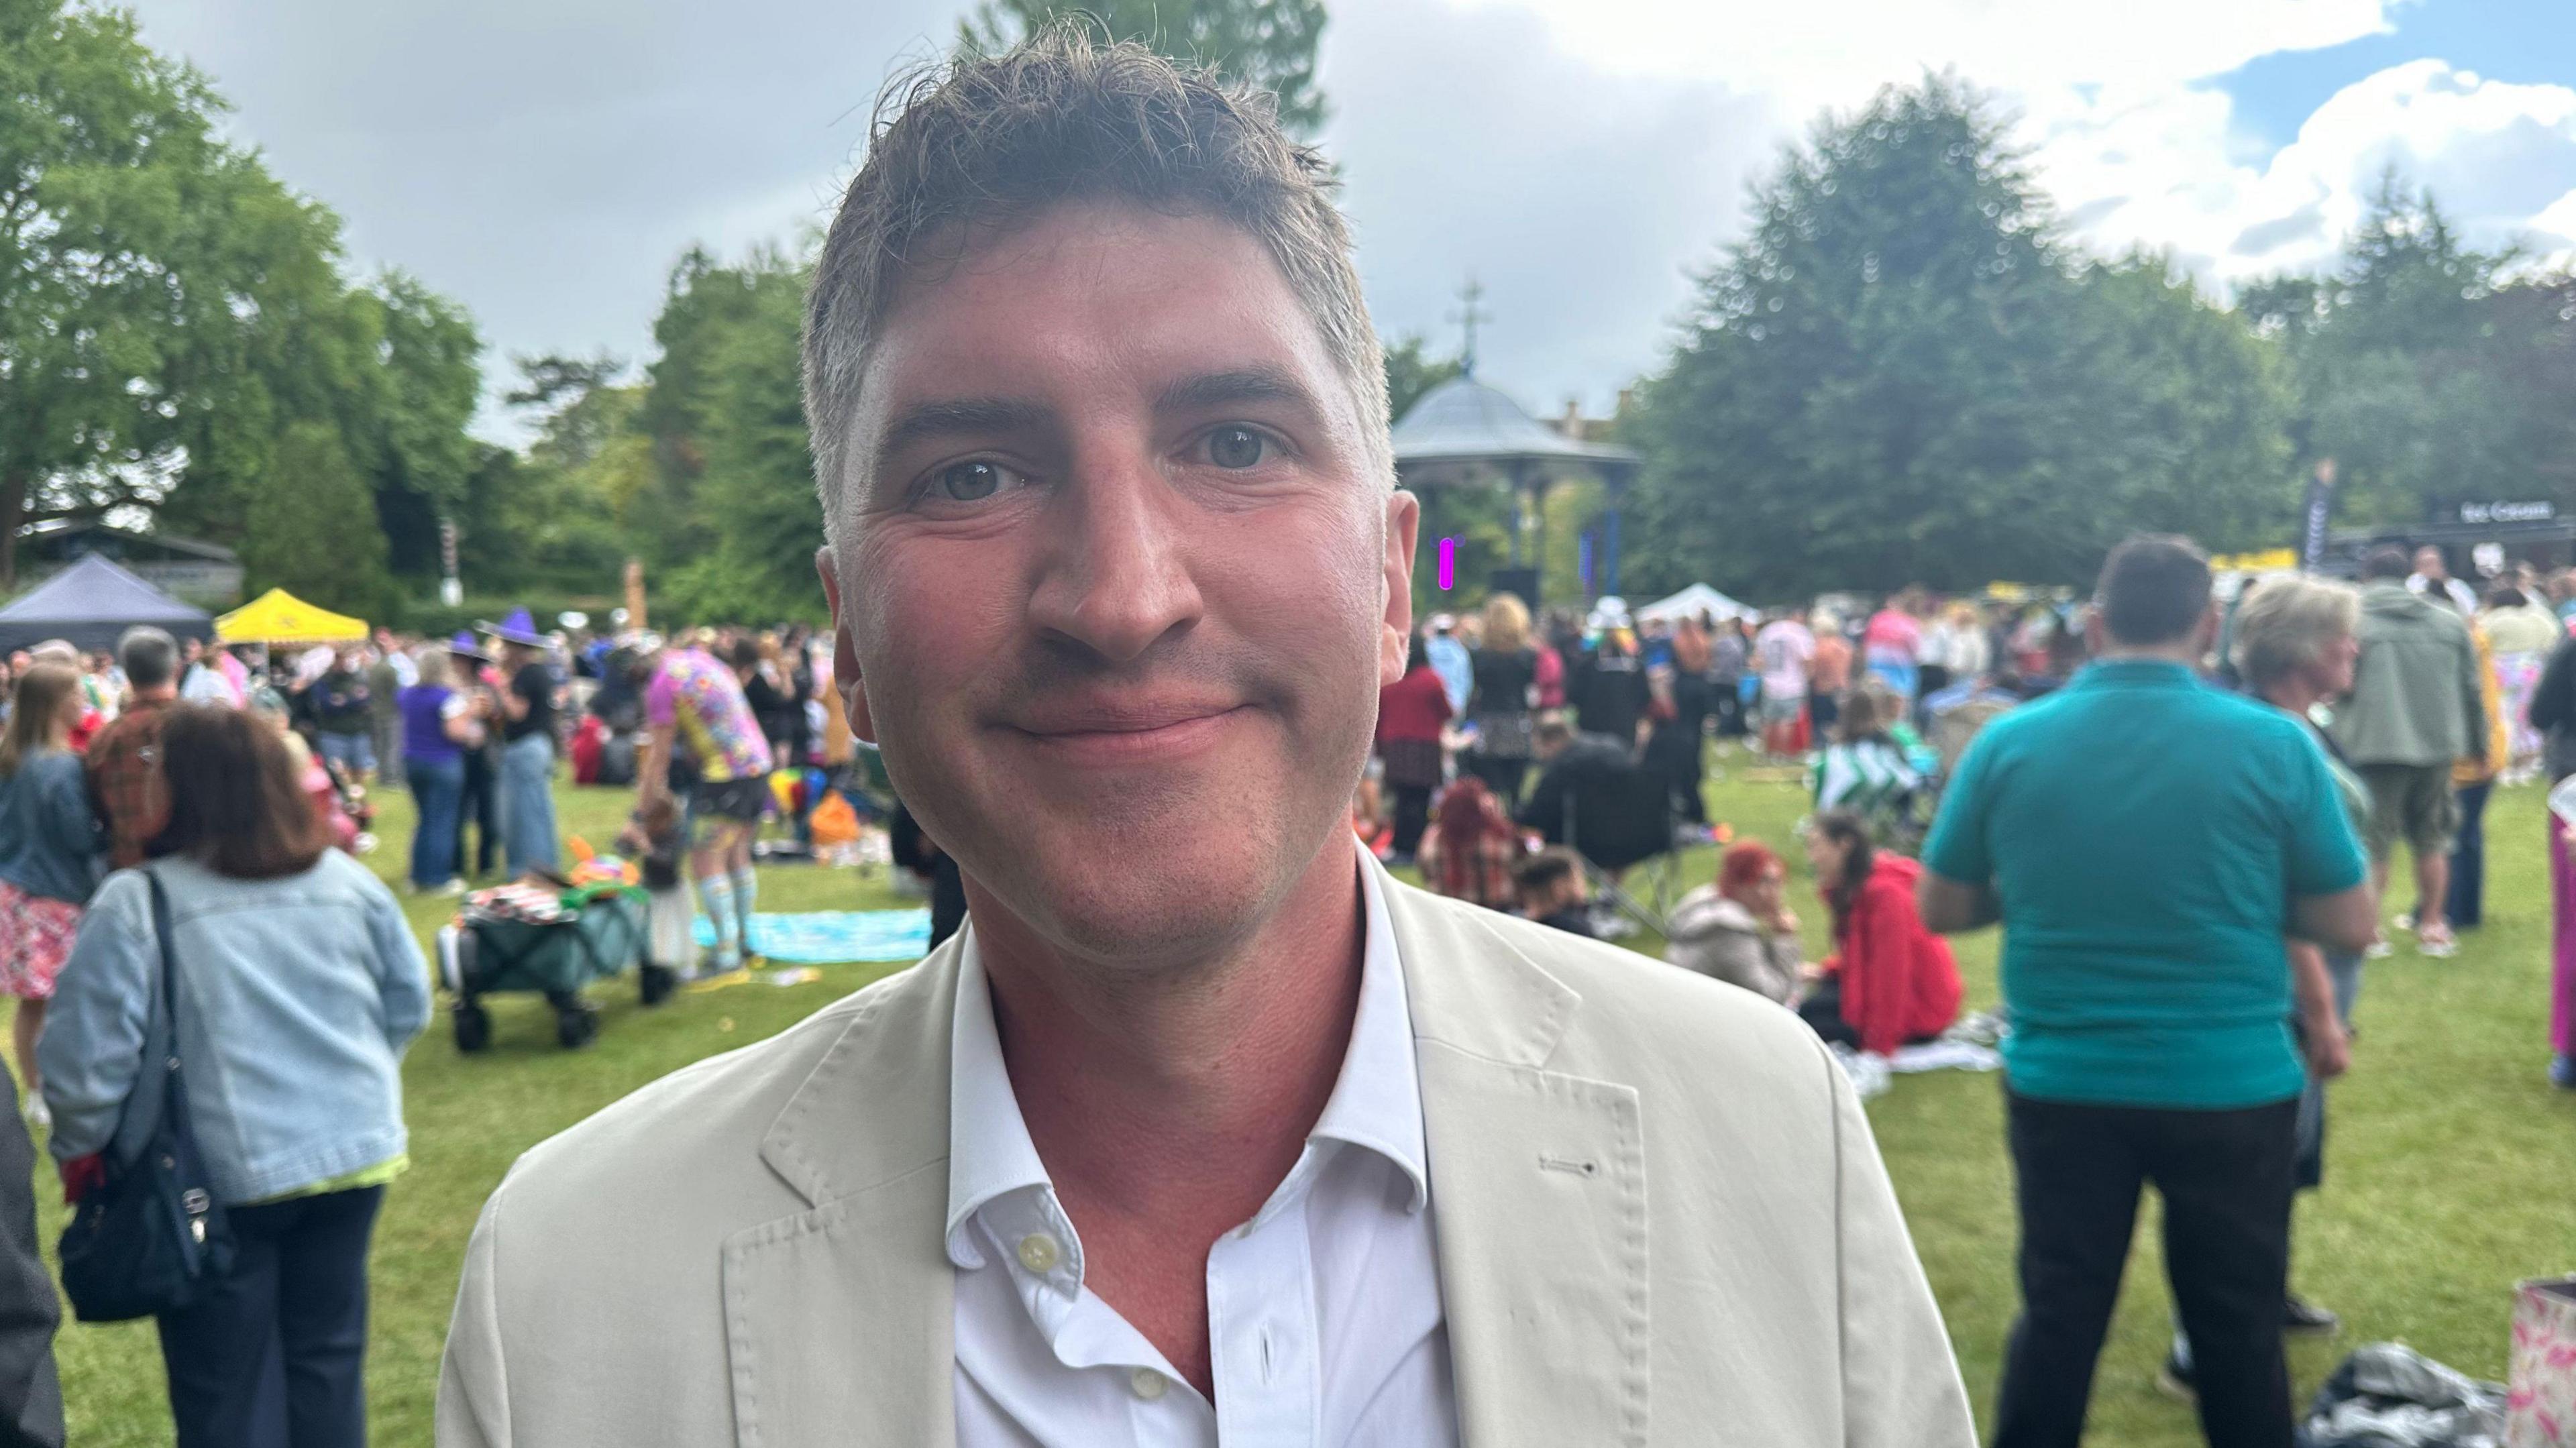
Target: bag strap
{"x":145,"y":1110}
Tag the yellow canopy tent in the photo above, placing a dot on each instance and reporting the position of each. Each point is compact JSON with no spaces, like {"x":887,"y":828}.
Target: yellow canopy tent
{"x":279,"y":617}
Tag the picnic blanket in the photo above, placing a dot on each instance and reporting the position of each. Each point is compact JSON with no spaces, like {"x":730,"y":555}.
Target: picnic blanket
{"x":830,"y":937}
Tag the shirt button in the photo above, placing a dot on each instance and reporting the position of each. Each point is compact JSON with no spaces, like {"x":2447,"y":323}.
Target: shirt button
{"x":1039,"y":1253}
{"x":1148,"y":1383}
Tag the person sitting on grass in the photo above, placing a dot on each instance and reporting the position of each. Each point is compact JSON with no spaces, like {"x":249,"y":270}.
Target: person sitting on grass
{"x":1468,"y":851}
{"x":1890,"y":981}
{"x":1551,"y":891}
{"x":1739,"y":928}
{"x":1866,"y":769}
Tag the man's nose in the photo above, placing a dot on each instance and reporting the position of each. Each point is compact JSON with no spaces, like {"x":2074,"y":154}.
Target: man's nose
{"x":1117,"y":572}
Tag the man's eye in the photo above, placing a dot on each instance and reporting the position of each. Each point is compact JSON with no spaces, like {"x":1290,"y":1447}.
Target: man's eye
{"x":970,"y":482}
{"x":1237,"y":447}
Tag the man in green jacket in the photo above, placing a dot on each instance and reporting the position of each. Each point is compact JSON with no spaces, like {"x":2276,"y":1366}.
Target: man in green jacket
{"x":2415,"y":709}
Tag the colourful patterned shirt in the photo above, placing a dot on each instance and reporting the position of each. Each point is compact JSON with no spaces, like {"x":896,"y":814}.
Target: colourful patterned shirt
{"x":702,"y":702}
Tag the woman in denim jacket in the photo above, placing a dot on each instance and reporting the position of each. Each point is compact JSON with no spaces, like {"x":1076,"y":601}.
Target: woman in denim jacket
{"x":299,"y":985}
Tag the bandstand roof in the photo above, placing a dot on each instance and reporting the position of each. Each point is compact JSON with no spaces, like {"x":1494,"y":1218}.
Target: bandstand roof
{"x":1464,"y":421}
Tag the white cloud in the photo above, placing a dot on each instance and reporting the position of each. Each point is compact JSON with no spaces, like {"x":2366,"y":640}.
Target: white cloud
{"x":1813,"y":54}
{"x":2156,"y":171}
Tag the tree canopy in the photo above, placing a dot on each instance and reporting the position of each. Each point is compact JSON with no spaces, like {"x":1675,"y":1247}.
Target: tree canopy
{"x":177,"y":329}
{"x":2426,"y":370}
{"x":1905,"y":374}
{"x":1268,"y":44}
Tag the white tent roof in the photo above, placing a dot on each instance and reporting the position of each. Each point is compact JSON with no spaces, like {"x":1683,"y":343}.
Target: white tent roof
{"x":1693,"y":601}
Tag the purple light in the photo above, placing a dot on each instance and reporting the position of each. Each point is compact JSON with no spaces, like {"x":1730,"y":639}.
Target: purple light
{"x":1448,"y":563}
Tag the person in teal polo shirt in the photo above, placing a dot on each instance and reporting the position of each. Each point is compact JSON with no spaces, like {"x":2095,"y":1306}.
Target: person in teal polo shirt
{"x":2147,"y":841}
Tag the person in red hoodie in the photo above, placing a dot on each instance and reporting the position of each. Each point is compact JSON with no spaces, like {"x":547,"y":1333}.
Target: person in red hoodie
{"x":1410,"y":714}
{"x":1891,"y":982}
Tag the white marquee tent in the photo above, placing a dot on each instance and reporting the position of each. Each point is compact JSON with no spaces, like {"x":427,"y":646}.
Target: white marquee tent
{"x":1693,"y":601}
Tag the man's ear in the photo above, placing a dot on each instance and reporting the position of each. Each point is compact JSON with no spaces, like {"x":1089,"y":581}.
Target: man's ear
{"x":845,"y":654}
{"x":1403,"y":528}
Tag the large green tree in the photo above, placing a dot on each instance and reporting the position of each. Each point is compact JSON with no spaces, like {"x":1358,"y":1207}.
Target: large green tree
{"x":1903,"y":374}
{"x":2428,"y":370}
{"x":733,"y":504}
{"x":1268,"y":44}
{"x":172,"y":316}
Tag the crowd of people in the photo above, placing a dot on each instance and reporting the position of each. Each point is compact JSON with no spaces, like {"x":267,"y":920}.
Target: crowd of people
{"x":177,"y":829}
{"x":2141,"y":786}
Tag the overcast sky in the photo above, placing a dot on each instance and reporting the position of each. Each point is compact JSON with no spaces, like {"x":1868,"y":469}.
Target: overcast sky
{"x":546,"y":160}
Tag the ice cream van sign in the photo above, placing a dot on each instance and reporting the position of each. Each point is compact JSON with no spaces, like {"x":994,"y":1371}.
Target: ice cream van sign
{"x":2540,"y":511}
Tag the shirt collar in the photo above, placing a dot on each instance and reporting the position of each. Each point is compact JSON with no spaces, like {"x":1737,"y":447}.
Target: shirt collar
{"x":1376,"y":1102}
{"x":2133,"y":671}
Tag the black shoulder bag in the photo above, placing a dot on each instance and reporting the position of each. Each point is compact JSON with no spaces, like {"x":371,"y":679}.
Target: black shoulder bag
{"x":149,"y":1238}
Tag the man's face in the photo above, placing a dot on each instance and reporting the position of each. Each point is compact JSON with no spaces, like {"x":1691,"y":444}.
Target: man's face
{"x":2428,"y":561}
{"x":1117,"y":584}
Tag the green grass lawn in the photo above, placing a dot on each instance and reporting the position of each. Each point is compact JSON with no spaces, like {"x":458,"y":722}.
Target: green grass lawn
{"x":2447,"y":1174}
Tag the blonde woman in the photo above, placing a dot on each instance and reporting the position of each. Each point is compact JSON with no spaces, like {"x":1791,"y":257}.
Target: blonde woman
{"x":49,"y":852}
{"x":439,"y":725}
{"x":1504,"y":667}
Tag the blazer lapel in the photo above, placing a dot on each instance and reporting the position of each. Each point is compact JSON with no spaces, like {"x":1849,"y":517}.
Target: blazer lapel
{"x":1538,"y":1193}
{"x":840,"y":1319}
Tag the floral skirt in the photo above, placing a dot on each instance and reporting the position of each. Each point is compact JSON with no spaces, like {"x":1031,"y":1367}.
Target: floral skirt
{"x":35,"y":939}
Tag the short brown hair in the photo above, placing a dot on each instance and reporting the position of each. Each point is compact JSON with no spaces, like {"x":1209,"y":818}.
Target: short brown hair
{"x":2154,"y":589}
{"x":991,"y":142}
{"x":235,"y":804}
{"x":1543,"y":871}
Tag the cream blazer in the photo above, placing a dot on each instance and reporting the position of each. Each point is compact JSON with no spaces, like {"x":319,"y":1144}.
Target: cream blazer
{"x":1661,"y":1217}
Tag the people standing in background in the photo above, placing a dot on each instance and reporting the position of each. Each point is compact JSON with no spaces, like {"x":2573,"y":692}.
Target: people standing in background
{"x":531,"y":704}
{"x":1890,"y":982}
{"x":1565,"y":640}
{"x":298,"y":985}
{"x":1450,"y":661}
{"x":1676,"y":746}
{"x":1612,"y":700}
{"x":2294,"y":648}
{"x":1547,"y":681}
{"x":1503,"y":669}
{"x":385,"y":683}
{"x":2473,"y":780}
{"x":1828,"y":677}
{"x":1728,"y":653}
{"x":1739,"y":928}
{"x":1955,"y":649}
{"x":2432,"y":579}
{"x":2417,"y":708}
{"x":1892,"y":645}
{"x":439,"y":724}
{"x":49,"y":853}
{"x":2146,"y":841}
{"x":1411,"y":713}
{"x":2553,"y":713}
{"x":1783,"y":652}
{"x":343,"y":711}
{"x":694,"y":706}
{"x":2522,"y":633}
{"x":479,"y":788}
{"x":126,"y":789}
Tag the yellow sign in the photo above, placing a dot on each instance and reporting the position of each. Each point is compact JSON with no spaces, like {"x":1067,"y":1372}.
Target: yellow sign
{"x":2271,"y":560}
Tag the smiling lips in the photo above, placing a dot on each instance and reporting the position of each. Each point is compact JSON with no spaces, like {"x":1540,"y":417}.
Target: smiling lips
{"x":1128,"y":732}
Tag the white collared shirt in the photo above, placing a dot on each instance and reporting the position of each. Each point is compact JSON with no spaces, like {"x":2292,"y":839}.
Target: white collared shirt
{"x":1324,"y":1317}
